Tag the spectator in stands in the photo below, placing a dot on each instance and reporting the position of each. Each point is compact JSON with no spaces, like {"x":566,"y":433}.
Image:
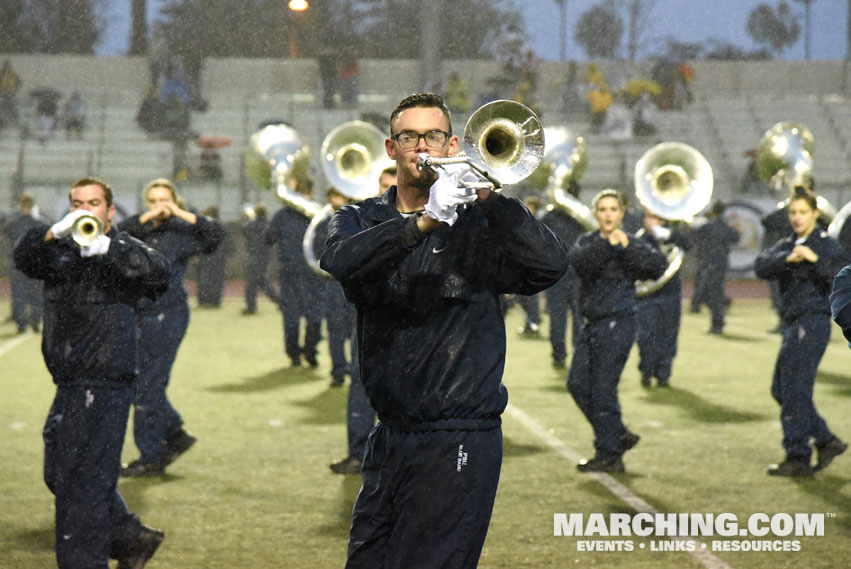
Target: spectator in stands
{"x":46,"y":110}
{"x":349,"y":82}
{"x":74,"y":116}
{"x":386,"y":179}
{"x":150,"y":114}
{"x":328,"y":76}
{"x":176,"y":119}
{"x":457,"y":94}
{"x":10,"y":83}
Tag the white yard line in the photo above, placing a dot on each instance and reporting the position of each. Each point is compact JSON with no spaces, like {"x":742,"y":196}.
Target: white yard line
{"x":11,"y":344}
{"x":620,"y":491}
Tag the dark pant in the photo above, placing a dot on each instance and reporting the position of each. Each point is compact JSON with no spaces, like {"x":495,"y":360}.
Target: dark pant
{"x":426,"y":499}
{"x":155,"y":420}
{"x":298,"y":300}
{"x":709,"y":290}
{"x":257,"y":279}
{"x":532,"y":307}
{"x":360,"y":416}
{"x":594,"y":374}
{"x":83,"y":436}
{"x":561,"y":296}
{"x":340,"y":321}
{"x":658,"y":330}
{"x":804,"y":343}
{"x":27,"y":303}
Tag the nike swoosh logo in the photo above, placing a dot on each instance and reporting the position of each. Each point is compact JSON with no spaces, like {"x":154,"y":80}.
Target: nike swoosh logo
{"x":436,"y":250}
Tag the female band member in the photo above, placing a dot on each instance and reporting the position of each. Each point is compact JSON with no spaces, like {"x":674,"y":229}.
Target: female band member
{"x":608,"y":262}
{"x":179,"y":235}
{"x":804,"y":264}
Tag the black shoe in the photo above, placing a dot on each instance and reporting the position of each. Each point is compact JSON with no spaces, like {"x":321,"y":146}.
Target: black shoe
{"x":531,"y":329}
{"x":295,"y":362}
{"x":595,"y":464}
{"x":249,"y":311}
{"x":645,"y":380}
{"x":138,"y":469}
{"x":177,"y":445}
{"x":35,"y":327}
{"x":628,"y":440}
{"x":311,"y":360}
{"x":337,"y":381}
{"x":827,"y":452}
{"x":791,"y":467}
{"x":715,"y":331}
{"x":558,"y":363}
{"x":144,"y":548}
{"x":662,"y":382}
{"x":349,"y":465}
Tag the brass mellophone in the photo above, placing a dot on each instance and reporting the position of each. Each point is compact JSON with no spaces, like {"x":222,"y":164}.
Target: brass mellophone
{"x":86,"y":229}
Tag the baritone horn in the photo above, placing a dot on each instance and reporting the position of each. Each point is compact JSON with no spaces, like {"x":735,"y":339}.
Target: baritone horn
{"x":352,"y":159}
{"x":566,"y":159}
{"x":278,"y":159}
{"x":674,"y":182}
{"x":86,"y":229}
{"x":503,"y":144}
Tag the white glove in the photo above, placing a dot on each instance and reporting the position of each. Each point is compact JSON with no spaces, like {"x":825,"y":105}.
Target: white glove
{"x":446,"y":195}
{"x":63,"y":227}
{"x":661,"y":233}
{"x":98,"y":247}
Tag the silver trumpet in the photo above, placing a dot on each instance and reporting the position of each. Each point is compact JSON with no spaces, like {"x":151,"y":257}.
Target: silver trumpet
{"x":503,"y":144}
{"x":86,"y":229}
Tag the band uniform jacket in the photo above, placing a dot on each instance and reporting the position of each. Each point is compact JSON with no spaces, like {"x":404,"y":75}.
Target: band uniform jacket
{"x":431,"y":334}
{"x":804,"y":286}
{"x":608,"y":273}
{"x":90,"y":304}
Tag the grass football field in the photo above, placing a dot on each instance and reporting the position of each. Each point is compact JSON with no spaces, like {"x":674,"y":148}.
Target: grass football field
{"x":256,"y":492}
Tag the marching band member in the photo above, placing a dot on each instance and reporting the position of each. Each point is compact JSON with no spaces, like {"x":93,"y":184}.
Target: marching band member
{"x":92,"y":294}
{"x":608,"y":262}
{"x":301,"y":289}
{"x":659,"y":313}
{"x":425,"y":265}
{"x":179,"y":235}
{"x":804,"y":264}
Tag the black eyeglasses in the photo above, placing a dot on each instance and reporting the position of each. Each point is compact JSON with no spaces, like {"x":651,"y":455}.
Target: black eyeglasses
{"x":410,"y":138}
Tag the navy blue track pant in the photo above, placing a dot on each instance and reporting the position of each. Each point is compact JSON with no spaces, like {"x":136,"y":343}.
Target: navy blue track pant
{"x":804,"y":343}
{"x":83,"y":436}
{"x":561,"y":296}
{"x":594,"y":374}
{"x":297,"y":301}
{"x":360,"y":416}
{"x":155,"y":420}
{"x":426,"y":499}
{"x":658,"y":330}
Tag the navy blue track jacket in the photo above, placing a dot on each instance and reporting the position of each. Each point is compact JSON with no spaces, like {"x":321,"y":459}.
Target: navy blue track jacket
{"x":804,"y":286}
{"x":90,"y":304}
{"x":608,"y":273}
{"x":430,"y":330}
{"x":179,"y":241}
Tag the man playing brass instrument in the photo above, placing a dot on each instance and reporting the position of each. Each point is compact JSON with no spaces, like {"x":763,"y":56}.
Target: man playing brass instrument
{"x":92,"y":294}
{"x":425,"y":264}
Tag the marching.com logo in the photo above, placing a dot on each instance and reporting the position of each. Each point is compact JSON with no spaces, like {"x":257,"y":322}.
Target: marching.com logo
{"x":678,"y":527}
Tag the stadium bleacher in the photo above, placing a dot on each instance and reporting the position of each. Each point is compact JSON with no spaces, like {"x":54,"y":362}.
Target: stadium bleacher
{"x":733,"y":105}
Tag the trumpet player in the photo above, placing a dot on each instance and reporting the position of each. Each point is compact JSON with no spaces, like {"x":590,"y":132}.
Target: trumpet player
{"x":425,"y":265}
{"x":92,"y":296}
{"x":608,"y":262}
{"x":178,"y":234}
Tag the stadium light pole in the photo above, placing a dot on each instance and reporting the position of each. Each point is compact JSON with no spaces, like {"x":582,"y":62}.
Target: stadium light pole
{"x":430,"y":63}
{"x":562,"y":29}
{"x":298,"y":7}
